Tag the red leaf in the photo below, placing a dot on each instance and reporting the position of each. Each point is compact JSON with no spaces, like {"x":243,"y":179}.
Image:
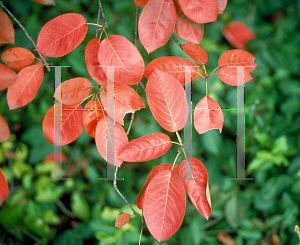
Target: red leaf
{"x":122,"y":220}
{"x":47,"y":2}
{"x":197,"y":53}
{"x":17,"y":58}
{"x":71,"y":124}
{"x":7,"y":78}
{"x":152,"y":174}
{"x":103,"y":141}
{"x":200,"y":11}
{"x":146,"y":148}
{"x":4,"y":188}
{"x":195,"y":184}
{"x":116,"y":50}
{"x":7,"y":31}
{"x":4,"y":130}
{"x":25,"y":87}
{"x":62,"y":34}
{"x":164,"y":205}
{"x":187,"y":29}
{"x":140,"y":3}
{"x":172,"y":65}
{"x":235,"y":57}
{"x":126,"y":100}
{"x":156,"y":24}
{"x":222,"y":6}
{"x":73,"y":91}
{"x":93,"y":112}
{"x":50,"y":157}
{"x":92,"y":63}
{"x":167,"y":101}
{"x":238,"y":34}
{"x":210,"y":118}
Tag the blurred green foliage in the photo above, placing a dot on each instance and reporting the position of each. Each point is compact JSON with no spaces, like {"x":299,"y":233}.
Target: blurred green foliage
{"x":83,"y":210}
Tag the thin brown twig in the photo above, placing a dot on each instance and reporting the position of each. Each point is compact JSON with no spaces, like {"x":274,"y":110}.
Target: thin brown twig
{"x":136,"y":26}
{"x":103,"y":15}
{"x":26,"y":33}
{"x":142,"y":85}
{"x":176,"y":40}
{"x":98,"y":19}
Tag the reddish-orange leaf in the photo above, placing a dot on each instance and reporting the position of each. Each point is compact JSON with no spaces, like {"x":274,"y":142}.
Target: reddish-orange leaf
{"x":232,"y":58}
{"x":118,"y":52}
{"x":104,"y":139}
{"x":208,"y":194}
{"x":17,"y":58}
{"x":7,"y":31}
{"x":73,"y":91}
{"x":222,"y":6}
{"x":200,"y":11}
{"x":25,"y":87}
{"x":50,"y":157}
{"x":93,"y":112}
{"x":62,"y":34}
{"x":92,"y":63}
{"x":140,"y":3}
{"x":122,"y":220}
{"x":7,"y":78}
{"x":152,"y":174}
{"x":3,"y":188}
{"x":209,"y":117}
{"x":45,"y":1}
{"x":238,"y":34}
{"x":167,"y":101}
{"x":195,"y":183}
{"x":187,"y":29}
{"x":71,"y":124}
{"x":126,"y":100}
{"x":156,"y":24}
{"x":146,"y":148}
{"x":174,"y":66}
{"x":164,"y":205}
{"x":4,"y":129}
{"x":197,"y":53}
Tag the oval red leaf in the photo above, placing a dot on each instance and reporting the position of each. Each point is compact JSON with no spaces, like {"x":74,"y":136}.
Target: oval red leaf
{"x":208,"y":115}
{"x":92,"y":63}
{"x":164,"y":205}
{"x":140,"y":3}
{"x":200,"y":11}
{"x":105,"y":133}
{"x":71,"y":124}
{"x":152,"y":174}
{"x":156,"y":24}
{"x":146,"y":148}
{"x":46,"y":2}
{"x":4,"y":130}
{"x":238,"y":34}
{"x":196,"y":184}
{"x":222,"y":6}
{"x":174,"y":66}
{"x":7,"y":33}
{"x":17,"y":58}
{"x":4,"y":188}
{"x":126,"y":100}
{"x":120,"y":53}
{"x":25,"y":87}
{"x":122,"y":220}
{"x":167,"y":101}
{"x":73,"y":91}
{"x":228,"y":75}
{"x":197,"y":53}
{"x":62,"y":34}
{"x":50,"y":157}
{"x":7,"y":78}
{"x":92,"y":113}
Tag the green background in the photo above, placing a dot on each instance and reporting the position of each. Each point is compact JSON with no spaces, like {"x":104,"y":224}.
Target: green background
{"x":251,"y":212}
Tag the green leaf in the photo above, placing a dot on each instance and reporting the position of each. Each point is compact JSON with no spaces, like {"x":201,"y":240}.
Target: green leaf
{"x":80,"y":206}
{"x":234,"y":211}
{"x":51,"y":218}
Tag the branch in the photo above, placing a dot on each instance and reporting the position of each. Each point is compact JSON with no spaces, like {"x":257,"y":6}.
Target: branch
{"x":64,"y":209}
{"x":98,"y":18}
{"x":103,"y":15}
{"x":26,"y":33}
{"x":136,"y":26}
{"x":176,"y":40}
